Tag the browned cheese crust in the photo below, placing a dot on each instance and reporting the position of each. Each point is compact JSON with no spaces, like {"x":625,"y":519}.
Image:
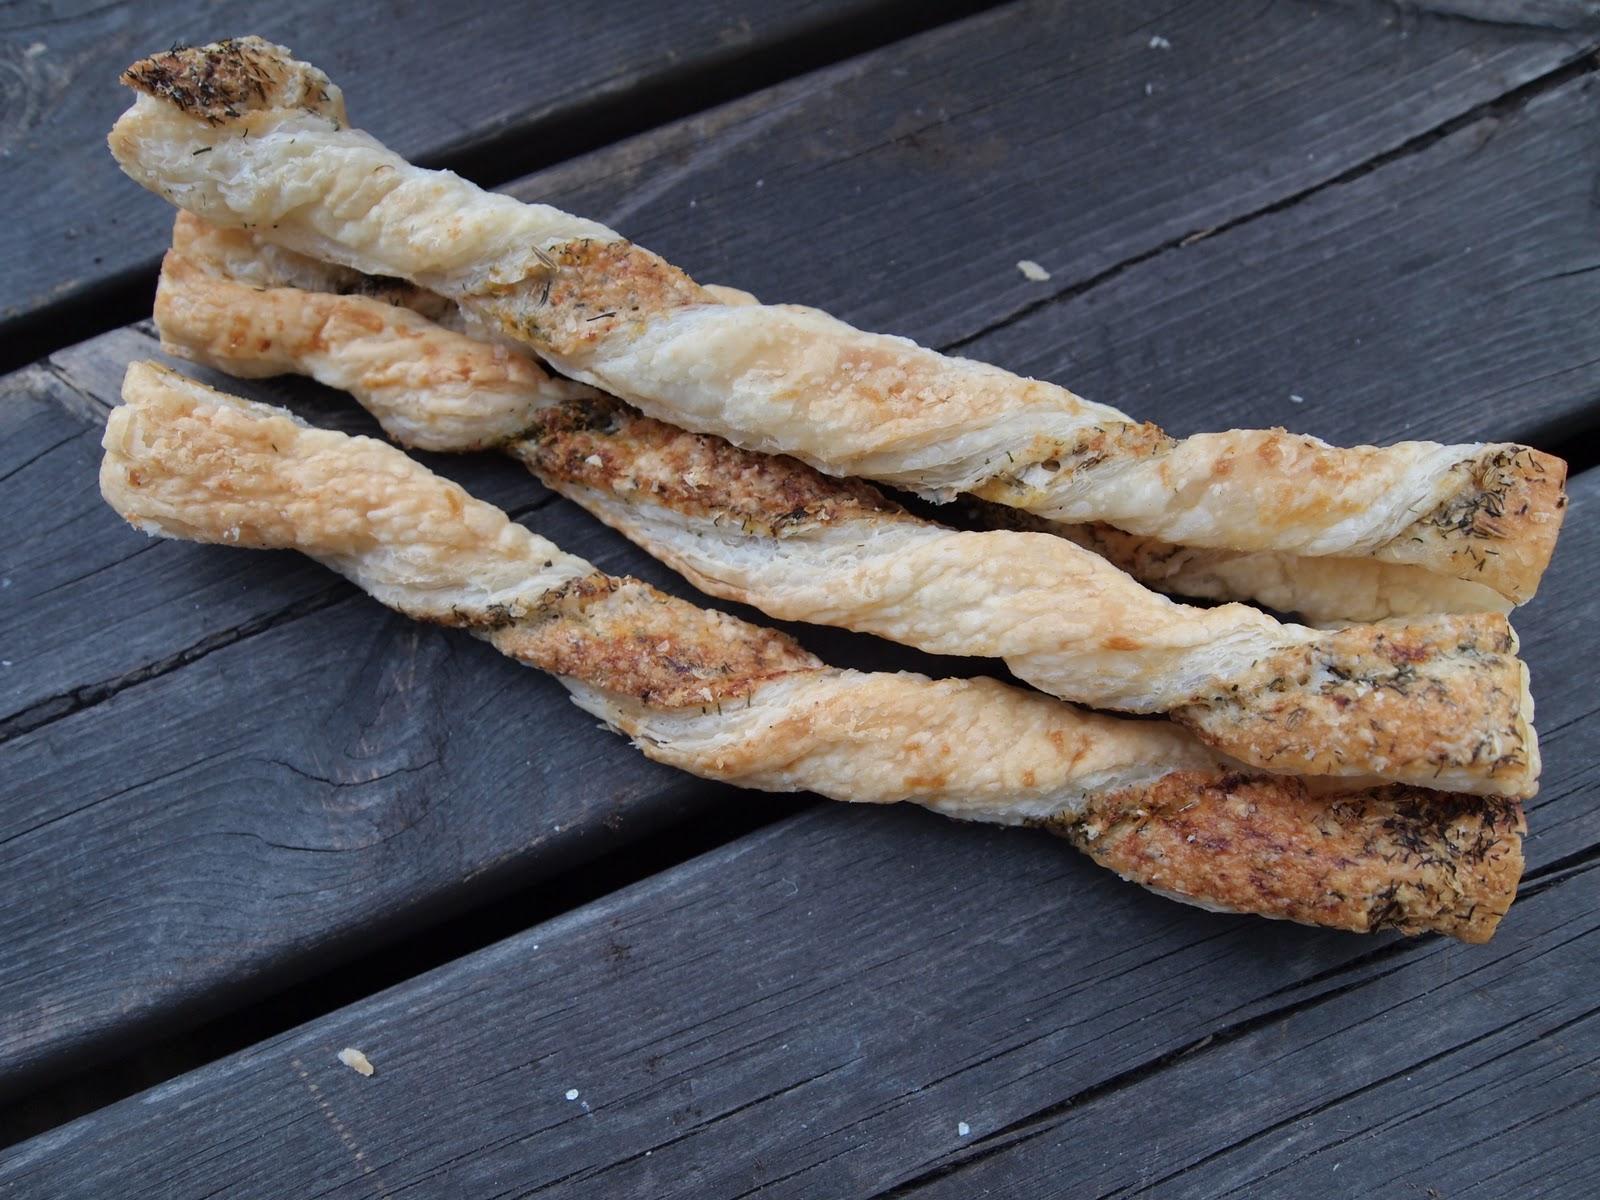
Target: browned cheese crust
{"x":1438,"y":702}
{"x":629,"y":639}
{"x":1144,"y":797}
{"x":1415,"y":693}
{"x":593,"y":290}
{"x":1392,"y":858}
{"x":1502,"y":528}
{"x":1503,"y":525}
{"x":197,"y":463}
{"x":607,"y":445}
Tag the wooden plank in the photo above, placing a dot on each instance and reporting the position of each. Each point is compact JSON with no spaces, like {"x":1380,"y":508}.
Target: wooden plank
{"x":835,"y":1006}
{"x":200,"y":733}
{"x":438,"y":81}
{"x":1448,"y":295}
{"x":318,"y":786}
{"x":1267,"y":101}
{"x":1290,"y":75}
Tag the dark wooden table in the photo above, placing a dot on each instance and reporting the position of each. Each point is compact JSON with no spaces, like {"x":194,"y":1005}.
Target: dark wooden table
{"x":248,"y":818}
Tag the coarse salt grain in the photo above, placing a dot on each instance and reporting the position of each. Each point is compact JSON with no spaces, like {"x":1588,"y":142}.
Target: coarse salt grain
{"x":594,"y":460}
{"x":1158,"y":42}
{"x":1032,"y":271}
{"x":355,"y":1060}
{"x":962,"y":1128}
{"x":572,"y":1093}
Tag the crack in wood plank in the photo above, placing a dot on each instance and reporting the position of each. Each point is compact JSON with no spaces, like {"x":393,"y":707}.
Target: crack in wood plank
{"x":68,"y":704}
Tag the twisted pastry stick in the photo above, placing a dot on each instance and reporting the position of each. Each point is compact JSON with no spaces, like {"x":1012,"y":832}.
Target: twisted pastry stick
{"x":385,"y":374}
{"x":730,"y":701}
{"x":1440,"y":703}
{"x":242,"y":134}
{"x":1323,"y":591}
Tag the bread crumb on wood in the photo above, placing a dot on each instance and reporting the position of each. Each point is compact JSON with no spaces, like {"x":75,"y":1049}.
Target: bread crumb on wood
{"x":356,"y":1061}
{"x":1033,"y":271}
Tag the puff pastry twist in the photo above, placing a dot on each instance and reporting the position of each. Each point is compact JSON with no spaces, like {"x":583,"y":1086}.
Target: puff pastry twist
{"x":467,"y":390}
{"x":1441,"y":702}
{"x":242,"y":134}
{"x":724,"y":699}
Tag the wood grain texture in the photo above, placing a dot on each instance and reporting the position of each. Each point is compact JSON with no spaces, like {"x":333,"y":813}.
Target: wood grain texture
{"x":878,"y":159}
{"x":335,"y":778}
{"x":815,"y":1007}
{"x":1472,"y":1075}
{"x":1459,"y":1075}
{"x":436,"y":80}
{"x":262,"y":732}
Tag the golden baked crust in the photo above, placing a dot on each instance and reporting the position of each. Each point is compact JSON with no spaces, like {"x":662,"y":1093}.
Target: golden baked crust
{"x":186,"y":460}
{"x":630,"y":639}
{"x":229,"y":78}
{"x":602,"y":444}
{"x":481,"y":395}
{"x":793,"y":380}
{"x":183,"y":460}
{"x":1399,"y":858}
{"x":1322,"y":590}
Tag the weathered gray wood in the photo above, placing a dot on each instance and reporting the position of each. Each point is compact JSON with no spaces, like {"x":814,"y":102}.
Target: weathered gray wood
{"x":1459,"y":1073}
{"x":224,"y":769}
{"x":850,"y":1000}
{"x":1448,"y":295}
{"x":874,"y":177}
{"x":438,"y":80}
{"x":872,"y":978}
{"x":1424,"y":1079}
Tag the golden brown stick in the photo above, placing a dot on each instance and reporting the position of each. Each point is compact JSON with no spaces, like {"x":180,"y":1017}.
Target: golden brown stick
{"x":730,"y":701}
